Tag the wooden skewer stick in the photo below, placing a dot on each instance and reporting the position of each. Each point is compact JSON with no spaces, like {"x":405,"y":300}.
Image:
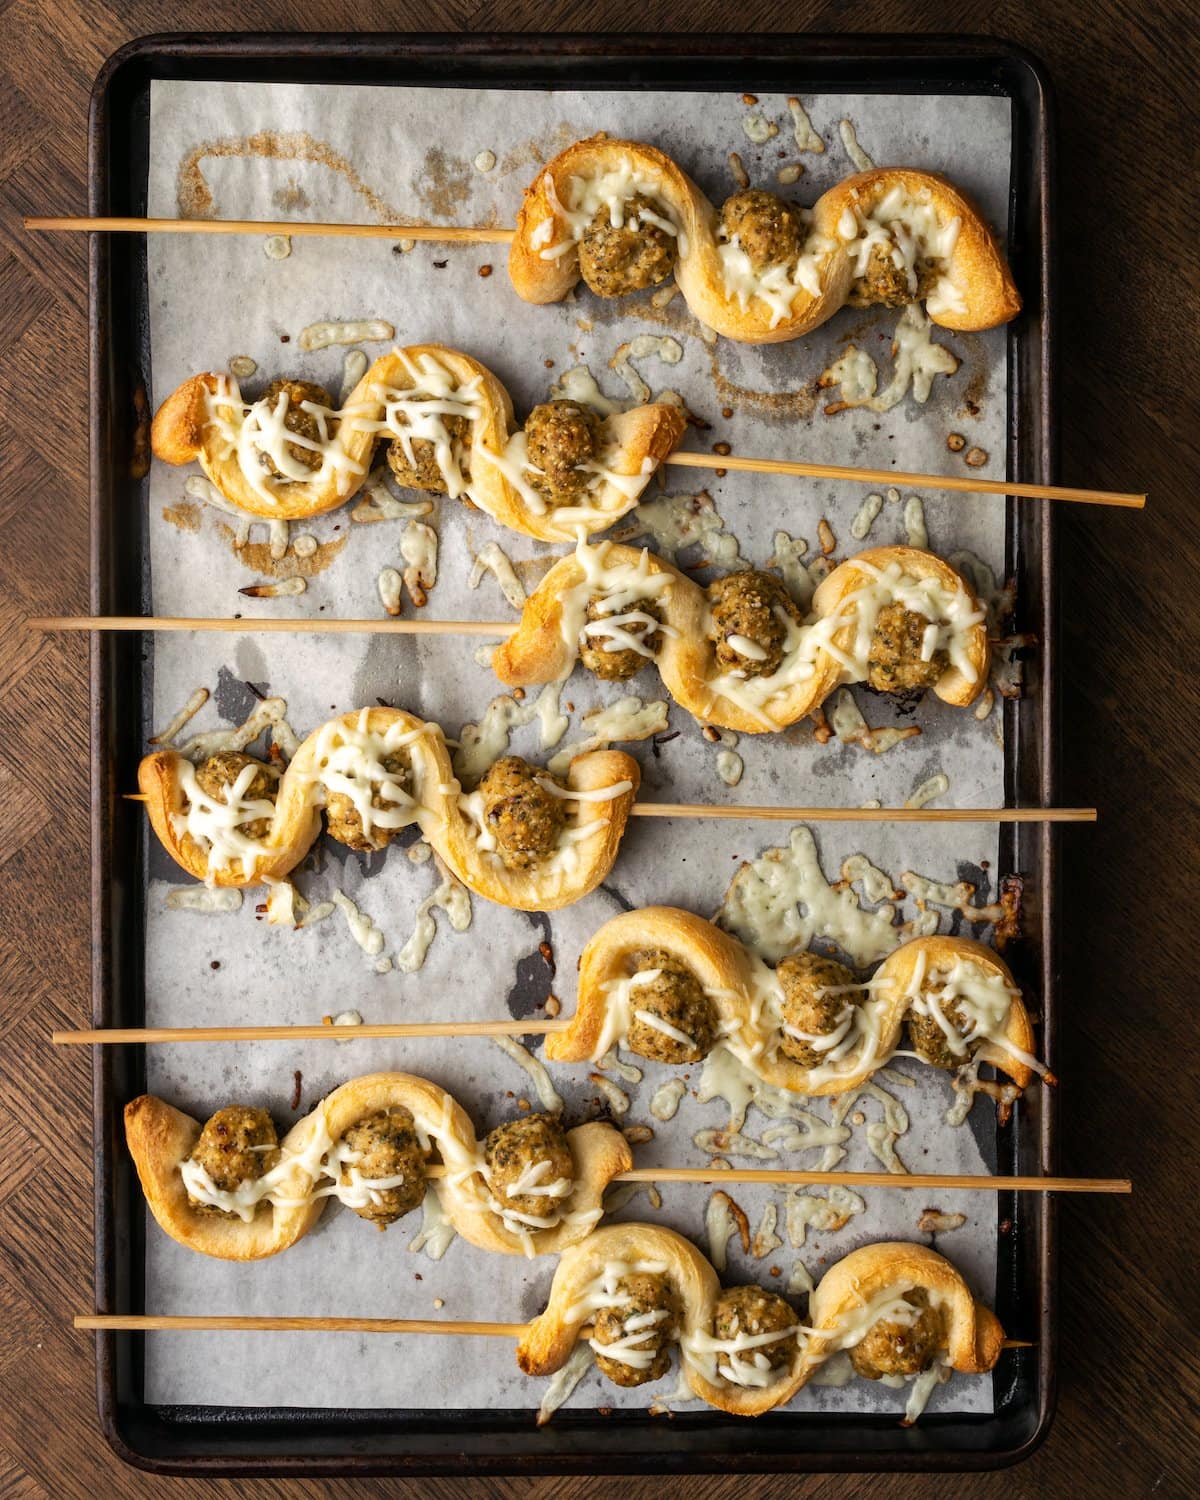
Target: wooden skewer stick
{"x":163,"y":1322}
{"x":163,"y":623}
{"x":841,"y":814}
{"x":478,"y":235}
{"x":964,"y":483}
{"x":464,"y":234}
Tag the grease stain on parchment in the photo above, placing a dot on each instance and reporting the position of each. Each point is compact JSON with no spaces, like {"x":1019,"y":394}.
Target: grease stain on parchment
{"x":195,"y":197}
{"x":257,"y":556}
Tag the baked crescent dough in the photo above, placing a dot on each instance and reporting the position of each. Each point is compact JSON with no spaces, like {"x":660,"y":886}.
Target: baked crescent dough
{"x":207,"y":420}
{"x":745,"y":994}
{"x":202,"y":835}
{"x":161,"y":1138}
{"x":846,"y":1303}
{"x":831,"y":648}
{"x":974,"y":289}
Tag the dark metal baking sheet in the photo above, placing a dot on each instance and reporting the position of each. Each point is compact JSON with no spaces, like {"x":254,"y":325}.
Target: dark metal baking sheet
{"x":207,"y":1440}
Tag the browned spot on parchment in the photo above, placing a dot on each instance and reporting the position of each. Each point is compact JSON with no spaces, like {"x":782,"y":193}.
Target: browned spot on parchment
{"x":185,"y":515}
{"x":799,"y":404}
{"x":291,"y":196}
{"x":443,"y":183}
{"x":257,"y":556}
{"x":532,"y":153}
{"x":195,"y":197}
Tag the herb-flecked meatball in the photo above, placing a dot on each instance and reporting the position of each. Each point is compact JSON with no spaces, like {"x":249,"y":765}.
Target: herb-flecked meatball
{"x":559,"y":436}
{"x":677,"y":998}
{"x":219,"y":772}
{"x":238,"y":1144}
{"x":894,"y":662}
{"x":524,"y":817}
{"x":885,"y":283}
{"x":767,"y":229}
{"x":804,"y":978}
{"x":343,"y":820}
{"x":303,"y":423}
{"x":756,"y":608}
{"x":512,"y":1152}
{"x":424,"y":472}
{"x":385,"y":1144}
{"x":895,"y":1348}
{"x":643,"y":1295}
{"x":751,"y":1310}
{"x":625,"y":661}
{"x":637,"y":254}
{"x":928,"y":1038}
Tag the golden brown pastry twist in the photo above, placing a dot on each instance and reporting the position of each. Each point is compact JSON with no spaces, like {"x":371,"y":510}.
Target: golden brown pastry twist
{"x":968,"y":982}
{"x":416,"y":393}
{"x":285,"y":1204}
{"x":349,"y":757}
{"x":833,"y":646}
{"x":852,"y":1296}
{"x":918,"y":223}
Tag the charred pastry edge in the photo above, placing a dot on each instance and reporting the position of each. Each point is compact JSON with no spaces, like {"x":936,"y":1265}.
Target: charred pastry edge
{"x":976,"y":266}
{"x":161,"y":1137}
{"x":686,"y":660}
{"x":721,"y":963}
{"x":181,"y":434}
{"x":974,"y":1335}
{"x":297,"y":821}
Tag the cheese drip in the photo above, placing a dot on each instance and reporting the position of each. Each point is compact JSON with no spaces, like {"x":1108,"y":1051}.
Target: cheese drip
{"x":216,"y":827}
{"x":909,"y":231}
{"x":351,"y":761}
{"x":563,"y":859}
{"x":610,"y":490}
{"x":620,"y":588}
{"x":983,"y":998}
{"x":586,"y":194}
{"x":531,"y":1183}
{"x":951,"y":616}
{"x":256,"y":433}
{"x":603,"y":1292}
{"x":777,"y":286}
{"x":417,"y":414}
{"x":726,"y":1357}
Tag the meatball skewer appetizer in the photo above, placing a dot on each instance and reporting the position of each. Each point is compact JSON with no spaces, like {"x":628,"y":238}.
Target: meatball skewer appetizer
{"x":672,"y":988}
{"x":524,"y":838}
{"x":233,"y":1190}
{"x":899,"y":1309}
{"x":621,"y":216}
{"x":740,"y":654}
{"x":449,"y":427}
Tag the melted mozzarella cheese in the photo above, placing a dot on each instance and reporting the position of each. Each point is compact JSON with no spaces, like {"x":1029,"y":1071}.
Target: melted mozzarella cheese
{"x":216,"y":826}
{"x":256,"y":433}
{"x":586,"y":194}
{"x":982,"y":997}
{"x":417,"y":413}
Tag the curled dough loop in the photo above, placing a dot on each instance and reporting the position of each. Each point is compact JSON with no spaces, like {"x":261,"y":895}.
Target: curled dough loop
{"x":160,"y":1138}
{"x":973,"y":1334}
{"x":954,"y":686}
{"x":740,"y":986}
{"x":980,"y":292}
{"x":634,"y":443}
{"x":825,"y":654}
{"x":555,"y":882}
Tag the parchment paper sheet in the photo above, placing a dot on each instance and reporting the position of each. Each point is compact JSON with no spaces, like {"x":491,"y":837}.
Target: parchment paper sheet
{"x":411,"y":152}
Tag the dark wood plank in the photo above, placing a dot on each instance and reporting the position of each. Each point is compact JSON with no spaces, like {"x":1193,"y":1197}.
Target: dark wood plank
{"x":1129,"y":299}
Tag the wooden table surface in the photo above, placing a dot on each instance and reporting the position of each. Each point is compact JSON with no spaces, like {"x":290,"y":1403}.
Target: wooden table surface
{"x":1128,"y":377}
